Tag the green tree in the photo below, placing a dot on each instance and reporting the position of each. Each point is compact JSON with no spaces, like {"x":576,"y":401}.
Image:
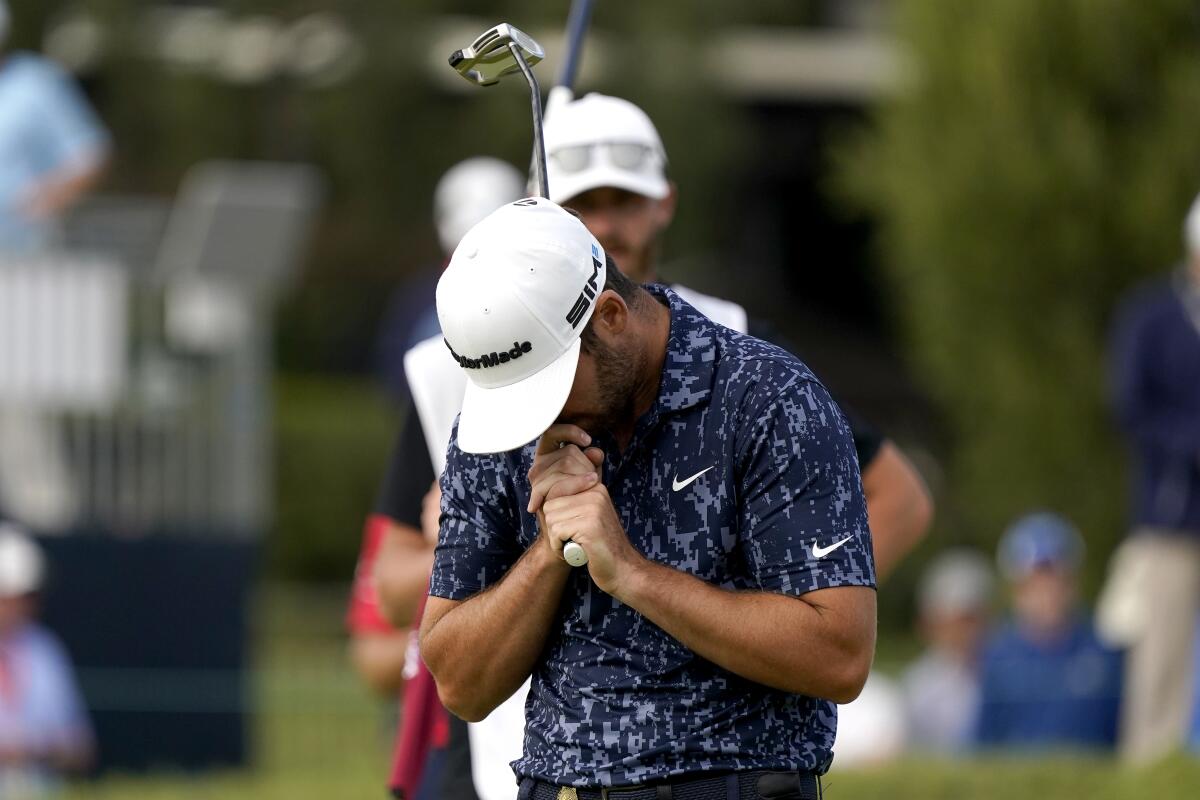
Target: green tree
{"x":1039,"y":160}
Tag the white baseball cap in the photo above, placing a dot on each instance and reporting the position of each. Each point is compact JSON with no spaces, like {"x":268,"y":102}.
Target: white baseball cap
{"x":21,"y":563}
{"x":519,"y":290}
{"x":1191,"y":228}
{"x":599,"y":140}
{"x":468,"y":192}
{"x":958,"y":581}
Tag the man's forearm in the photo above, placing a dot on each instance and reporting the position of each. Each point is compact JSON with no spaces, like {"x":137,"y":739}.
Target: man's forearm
{"x":807,"y":645}
{"x":402,"y":573}
{"x":898,"y":505}
{"x":481,"y":650}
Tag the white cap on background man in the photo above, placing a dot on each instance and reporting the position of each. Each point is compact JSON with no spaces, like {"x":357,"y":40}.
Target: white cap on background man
{"x":21,"y":562}
{"x":598,"y":141}
{"x":468,"y":192}
{"x":518,"y":292}
{"x":1191,"y":229}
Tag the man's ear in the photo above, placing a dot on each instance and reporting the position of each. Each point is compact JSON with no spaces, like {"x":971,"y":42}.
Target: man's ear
{"x":611,"y":316}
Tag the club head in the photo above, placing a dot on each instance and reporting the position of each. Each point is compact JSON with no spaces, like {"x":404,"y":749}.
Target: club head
{"x":487,"y":59}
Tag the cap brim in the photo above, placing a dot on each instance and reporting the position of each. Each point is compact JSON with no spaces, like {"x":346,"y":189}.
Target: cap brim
{"x":563,"y":187}
{"x":505,"y":418}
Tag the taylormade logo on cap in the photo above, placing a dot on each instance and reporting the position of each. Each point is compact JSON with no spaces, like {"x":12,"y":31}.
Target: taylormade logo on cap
{"x":492,"y":359}
{"x":518,"y":291}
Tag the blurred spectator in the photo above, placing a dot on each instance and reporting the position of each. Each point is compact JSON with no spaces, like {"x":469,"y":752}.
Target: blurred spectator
{"x":942,"y":687}
{"x":1153,"y":595}
{"x":465,"y":194}
{"x":52,"y":147}
{"x":44,"y":730}
{"x":432,"y":758}
{"x":1047,"y":681}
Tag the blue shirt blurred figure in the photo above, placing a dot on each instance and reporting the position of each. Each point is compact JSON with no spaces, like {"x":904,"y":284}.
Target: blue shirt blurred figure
{"x":44,"y":728}
{"x":1047,"y":681}
{"x":52,"y":147}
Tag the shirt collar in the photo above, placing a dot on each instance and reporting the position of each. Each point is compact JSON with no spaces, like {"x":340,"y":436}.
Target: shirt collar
{"x":692,"y":353}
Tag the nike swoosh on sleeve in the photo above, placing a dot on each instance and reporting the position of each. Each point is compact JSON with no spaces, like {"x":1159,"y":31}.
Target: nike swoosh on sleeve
{"x":821,"y":552}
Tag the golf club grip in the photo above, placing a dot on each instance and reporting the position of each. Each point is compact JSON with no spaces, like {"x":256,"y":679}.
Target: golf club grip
{"x":577,"y":25}
{"x":574,"y":554}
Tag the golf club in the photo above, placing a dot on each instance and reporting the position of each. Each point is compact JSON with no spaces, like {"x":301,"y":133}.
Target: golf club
{"x":501,"y":51}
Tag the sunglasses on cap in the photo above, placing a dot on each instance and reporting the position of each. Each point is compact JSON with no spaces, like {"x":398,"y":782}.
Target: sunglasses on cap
{"x":629,"y":156}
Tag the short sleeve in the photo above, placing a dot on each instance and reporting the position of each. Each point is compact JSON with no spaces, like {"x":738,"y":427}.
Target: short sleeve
{"x":72,"y":132}
{"x":867,"y":438}
{"x":803,"y":514}
{"x":409,"y":475}
{"x":479,"y":537}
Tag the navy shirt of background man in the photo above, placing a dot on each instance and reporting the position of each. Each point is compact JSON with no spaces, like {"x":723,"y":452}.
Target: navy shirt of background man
{"x":1047,"y":680}
{"x":728,"y":599}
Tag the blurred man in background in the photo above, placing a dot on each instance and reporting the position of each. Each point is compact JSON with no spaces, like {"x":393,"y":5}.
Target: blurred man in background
{"x":392,"y":576}
{"x":44,"y":730}
{"x":1047,"y":681}
{"x":52,"y":147}
{"x":52,"y":150}
{"x":606,"y":162}
{"x":465,"y":194}
{"x":942,"y":687}
{"x":1155,"y":575}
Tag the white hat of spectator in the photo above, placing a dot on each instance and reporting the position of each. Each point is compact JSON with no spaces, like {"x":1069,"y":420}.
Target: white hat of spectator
{"x":958,"y":581}
{"x":598,"y":141}
{"x":21,"y":563}
{"x":1191,"y":228}
{"x":518,"y":292}
{"x":468,"y":192}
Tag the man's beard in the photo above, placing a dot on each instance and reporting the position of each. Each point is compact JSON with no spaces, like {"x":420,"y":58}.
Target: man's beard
{"x":618,"y":374}
{"x":638,"y":265}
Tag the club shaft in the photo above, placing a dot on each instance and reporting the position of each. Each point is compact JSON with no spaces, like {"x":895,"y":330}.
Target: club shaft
{"x":577,"y":25}
{"x":539,"y":144}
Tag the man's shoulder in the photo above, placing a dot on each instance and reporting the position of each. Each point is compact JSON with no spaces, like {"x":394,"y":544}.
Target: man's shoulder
{"x":40,"y":642}
{"x":1147,"y":301}
{"x":30,"y":69}
{"x":759,"y":367}
{"x":489,"y":467}
{"x":724,"y":312}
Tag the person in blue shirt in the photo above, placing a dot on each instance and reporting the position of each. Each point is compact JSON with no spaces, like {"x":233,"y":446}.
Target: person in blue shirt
{"x":1047,"y":682}
{"x":44,"y":727}
{"x":52,"y":147}
{"x":1155,"y":574}
{"x":728,"y":598}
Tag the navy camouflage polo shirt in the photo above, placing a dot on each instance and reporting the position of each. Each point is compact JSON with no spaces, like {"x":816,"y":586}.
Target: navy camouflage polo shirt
{"x":742,"y":473}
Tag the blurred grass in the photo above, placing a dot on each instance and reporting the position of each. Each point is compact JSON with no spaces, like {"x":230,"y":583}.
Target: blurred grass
{"x":320,"y":735}
{"x":1044,"y":778}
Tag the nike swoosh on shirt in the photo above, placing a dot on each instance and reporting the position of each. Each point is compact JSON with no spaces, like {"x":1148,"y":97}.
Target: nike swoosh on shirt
{"x":821,"y":552}
{"x":677,"y":484}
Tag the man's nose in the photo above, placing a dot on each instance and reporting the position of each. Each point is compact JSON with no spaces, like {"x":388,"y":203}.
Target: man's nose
{"x":600,"y":223}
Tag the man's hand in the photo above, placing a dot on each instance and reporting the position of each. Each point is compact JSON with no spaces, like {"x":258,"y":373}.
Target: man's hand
{"x":564,"y":464}
{"x":589,"y":520}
